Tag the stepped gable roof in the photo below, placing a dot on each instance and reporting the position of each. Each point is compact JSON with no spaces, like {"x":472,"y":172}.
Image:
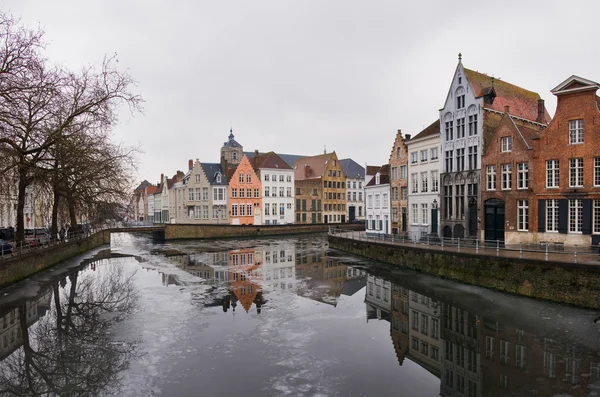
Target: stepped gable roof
{"x":352,"y":169}
{"x":211,"y":170}
{"x":231,"y":142}
{"x":290,"y":159}
{"x":268,"y":160}
{"x":384,"y":176}
{"x":523,"y":103}
{"x":316,"y":167}
{"x":432,"y":129}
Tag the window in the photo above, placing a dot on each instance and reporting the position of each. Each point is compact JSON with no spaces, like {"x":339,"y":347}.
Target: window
{"x":241,"y":178}
{"x":414,"y":157}
{"x":249,"y":209}
{"x":394,"y":173}
{"x":266,"y":177}
{"x":234,"y":210}
{"x":256,"y":193}
{"x":377,"y":201}
{"x":280,"y":178}
{"x":282,"y":191}
{"x":504,"y":354}
{"x":370,"y":201}
{"x":267,"y":208}
{"x":403,"y":193}
{"x":435,"y":353}
{"x":449,"y":130}
{"x":395,"y":214}
{"x":597,"y":171}
{"x":520,"y":356}
{"x":289,"y":192}
{"x":424,"y":156}
{"x":267,"y":191}
{"x":234,"y":192}
{"x":448,"y":202}
{"x":424,"y":348}
{"x":404,"y":172}
{"x":491,"y":177}
{"x":394,"y":194}
{"x":575,"y":215}
{"x":552,"y":173}
{"x":434,"y":153}
{"x":575,"y":172}
{"x":460,"y":101}
{"x":415,"y":320}
{"x":506,"y":176}
{"x":204,"y":194}
{"x":522,"y":215}
{"x":460,"y":159}
{"x":415,"y":182}
{"x":522,"y":175}
{"x":191,"y":194}
{"x":473,"y":125}
{"x":435,"y":328}
{"x":449,"y":156}
{"x":472,"y":157}
{"x":242,"y":193}
{"x":435,"y":182}
{"x":415,"y":214}
{"x":575,"y":132}
{"x":424,"y":218}
{"x":489,"y":347}
{"x":460,"y":127}
{"x":424,"y":182}
{"x":551,"y":215}
{"x":549,"y":365}
{"x":218,"y":194}
{"x":506,"y":144}
{"x":415,"y":344}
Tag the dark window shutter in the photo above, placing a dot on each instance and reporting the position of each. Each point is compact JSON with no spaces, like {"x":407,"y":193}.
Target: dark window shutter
{"x":563,"y":216}
{"x":586,"y":227}
{"x":541,"y":216}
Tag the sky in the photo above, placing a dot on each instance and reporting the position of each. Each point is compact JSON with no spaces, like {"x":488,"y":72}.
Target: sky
{"x":299,"y":76}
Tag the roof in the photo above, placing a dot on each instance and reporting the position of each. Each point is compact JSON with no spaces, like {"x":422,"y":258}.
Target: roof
{"x":575,"y":84}
{"x":231,"y":142}
{"x":144,"y":184}
{"x":316,"y":166}
{"x":372,"y":169}
{"x":432,"y":129}
{"x":290,"y":159}
{"x":151,"y":190}
{"x":384,"y":177}
{"x":269,"y":160}
{"x":211,"y":170}
{"x":352,"y":169}
{"x":523,"y":103}
{"x":528,"y":131}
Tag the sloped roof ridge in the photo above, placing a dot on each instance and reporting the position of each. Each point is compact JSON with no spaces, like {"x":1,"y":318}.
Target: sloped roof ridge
{"x":498,"y":81}
{"x":428,"y":131}
{"x":519,"y":131}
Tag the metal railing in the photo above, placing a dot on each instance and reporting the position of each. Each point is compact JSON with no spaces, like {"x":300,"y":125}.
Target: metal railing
{"x":544,"y":249}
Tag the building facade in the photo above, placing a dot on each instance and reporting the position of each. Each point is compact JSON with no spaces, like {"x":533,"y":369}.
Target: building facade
{"x":377,"y":192}
{"x":245,"y":198}
{"x":355,"y":176}
{"x":277,"y":179}
{"x":399,"y":183}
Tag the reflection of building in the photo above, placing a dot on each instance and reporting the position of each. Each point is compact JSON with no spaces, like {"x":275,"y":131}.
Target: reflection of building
{"x":279,"y":270}
{"x":424,"y":329}
{"x":245,"y":275}
{"x":400,"y":319}
{"x":378,"y":298}
{"x":11,"y":335}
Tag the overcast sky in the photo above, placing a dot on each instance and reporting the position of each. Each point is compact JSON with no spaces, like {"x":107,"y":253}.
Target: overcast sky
{"x":294,"y":76}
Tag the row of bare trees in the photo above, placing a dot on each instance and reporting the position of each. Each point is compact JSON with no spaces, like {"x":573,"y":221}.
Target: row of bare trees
{"x":55,"y":127}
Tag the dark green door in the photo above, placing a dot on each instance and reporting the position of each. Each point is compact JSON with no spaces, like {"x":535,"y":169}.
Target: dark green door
{"x":494,"y":220}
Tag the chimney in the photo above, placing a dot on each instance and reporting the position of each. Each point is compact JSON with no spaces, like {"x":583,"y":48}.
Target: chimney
{"x":506,"y":109}
{"x":306,"y":170}
{"x":406,"y":136}
{"x":541,"y":115}
{"x":224,"y":165}
{"x":190,"y":164}
{"x":255,"y":159}
{"x":162,"y":178}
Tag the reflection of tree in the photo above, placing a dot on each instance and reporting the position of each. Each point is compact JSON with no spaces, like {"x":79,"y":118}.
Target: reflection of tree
{"x":70,"y":350}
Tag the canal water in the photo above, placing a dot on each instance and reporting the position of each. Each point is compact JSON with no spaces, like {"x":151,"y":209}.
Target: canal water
{"x":280,"y":317}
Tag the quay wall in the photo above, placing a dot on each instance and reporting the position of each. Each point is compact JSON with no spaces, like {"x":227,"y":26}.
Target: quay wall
{"x":23,"y":265}
{"x":195,"y":231}
{"x":576,"y":284}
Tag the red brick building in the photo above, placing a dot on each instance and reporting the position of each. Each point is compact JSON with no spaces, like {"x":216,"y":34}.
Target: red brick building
{"x":507,"y":167}
{"x":567,"y":163}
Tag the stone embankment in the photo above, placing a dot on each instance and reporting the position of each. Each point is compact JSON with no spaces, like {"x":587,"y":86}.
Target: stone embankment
{"x":573,"y":283}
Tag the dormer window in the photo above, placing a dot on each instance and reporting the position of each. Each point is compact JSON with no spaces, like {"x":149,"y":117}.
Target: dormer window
{"x":218,"y":178}
{"x":575,"y":132}
{"x":377,"y":179}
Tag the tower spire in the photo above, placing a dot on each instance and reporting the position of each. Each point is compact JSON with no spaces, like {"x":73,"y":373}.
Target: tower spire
{"x":459,"y":57}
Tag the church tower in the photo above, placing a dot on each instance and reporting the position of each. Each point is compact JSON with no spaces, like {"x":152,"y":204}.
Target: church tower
{"x":232,"y":151}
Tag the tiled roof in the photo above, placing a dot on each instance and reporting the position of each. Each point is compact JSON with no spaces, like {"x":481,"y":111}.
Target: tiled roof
{"x":384,"y":177}
{"x":269,"y":160}
{"x":211,"y":170}
{"x":352,"y":169}
{"x":527,"y":131}
{"x":144,"y":184}
{"x":432,"y":129}
{"x":372,"y":169}
{"x":290,"y":159}
{"x":151,"y":190}
{"x":316,"y":164}
{"x":523,"y":103}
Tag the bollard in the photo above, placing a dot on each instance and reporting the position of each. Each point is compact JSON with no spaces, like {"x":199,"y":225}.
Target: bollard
{"x":546,"y":252}
{"x":575,"y":254}
{"x":428,"y":239}
{"x":520,"y":249}
{"x":458,"y":244}
{"x":477,"y":245}
{"x":497,"y":245}
{"x":442,"y":243}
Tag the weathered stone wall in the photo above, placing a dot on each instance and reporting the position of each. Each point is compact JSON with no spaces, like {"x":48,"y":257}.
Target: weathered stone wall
{"x":22,"y":266}
{"x":576,"y":284}
{"x":186,"y":232}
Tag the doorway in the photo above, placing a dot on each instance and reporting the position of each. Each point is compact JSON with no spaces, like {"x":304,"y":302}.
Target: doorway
{"x":494,"y":220}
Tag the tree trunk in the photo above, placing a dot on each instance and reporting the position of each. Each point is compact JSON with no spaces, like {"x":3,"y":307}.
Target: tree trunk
{"x":72,"y":213}
{"x":71,"y":304}
{"x":55,"y":206}
{"x":26,"y":345}
{"x":20,"y":233}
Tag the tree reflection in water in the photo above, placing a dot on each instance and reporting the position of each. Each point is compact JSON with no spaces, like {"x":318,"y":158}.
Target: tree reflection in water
{"x":70,"y":351}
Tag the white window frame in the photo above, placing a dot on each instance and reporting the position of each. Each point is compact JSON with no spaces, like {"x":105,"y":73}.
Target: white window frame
{"x":575,"y":215}
{"x":506,"y":144}
{"x":435,"y":181}
{"x":576,"y":172}
{"x":552,"y":173}
{"x":414,"y":182}
{"x":576,"y":132}
{"x":434,"y":154}
{"x":522,"y":175}
{"x":424,"y":155}
{"x":425,"y":214}
{"x":424,"y":184}
{"x":596,"y":212}
{"x":523,"y":215}
{"x":414,"y":157}
{"x":552,"y":215}
{"x":490,"y":177}
{"x":506,"y":176}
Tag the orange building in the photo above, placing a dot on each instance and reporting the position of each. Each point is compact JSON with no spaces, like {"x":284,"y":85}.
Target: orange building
{"x":245,"y":275}
{"x":245,"y":198}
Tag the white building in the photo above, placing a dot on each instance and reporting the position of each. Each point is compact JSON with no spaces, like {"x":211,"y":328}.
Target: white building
{"x":151,"y":207}
{"x":355,"y":177}
{"x":378,"y":298}
{"x":425,"y":332}
{"x":279,"y":266}
{"x":378,"y":203}
{"x":424,"y":182}
{"x":277,"y":178}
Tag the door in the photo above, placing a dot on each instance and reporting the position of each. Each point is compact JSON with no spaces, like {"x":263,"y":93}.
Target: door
{"x":325,"y":219}
{"x":494,"y":220}
{"x":472,"y":217}
{"x":351,"y":213}
{"x":404,"y":219}
{"x":314,"y":218}
{"x":344,"y":218}
{"x":387,"y":231}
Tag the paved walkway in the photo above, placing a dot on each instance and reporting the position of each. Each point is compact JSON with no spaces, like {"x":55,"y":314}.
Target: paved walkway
{"x":569,"y":255}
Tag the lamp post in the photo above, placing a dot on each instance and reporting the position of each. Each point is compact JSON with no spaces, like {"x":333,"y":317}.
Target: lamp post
{"x":434,"y":218}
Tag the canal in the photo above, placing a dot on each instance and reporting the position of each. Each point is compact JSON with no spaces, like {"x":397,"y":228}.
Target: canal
{"x":280,"y":317}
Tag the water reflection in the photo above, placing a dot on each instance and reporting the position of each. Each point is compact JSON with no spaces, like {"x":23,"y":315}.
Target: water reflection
{"x":60,"y":343}
{"x":472,"y":352}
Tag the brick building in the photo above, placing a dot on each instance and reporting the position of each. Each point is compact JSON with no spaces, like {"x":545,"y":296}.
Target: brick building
{"x":506,"y":191}
{"x":398,"y":183}
{"x":567,"y":156}
{"x":245,"y":198}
